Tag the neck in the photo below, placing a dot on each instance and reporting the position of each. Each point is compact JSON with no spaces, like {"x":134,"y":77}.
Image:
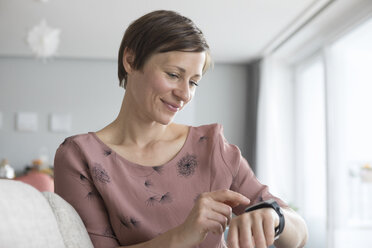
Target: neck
{"x":131,"y":128}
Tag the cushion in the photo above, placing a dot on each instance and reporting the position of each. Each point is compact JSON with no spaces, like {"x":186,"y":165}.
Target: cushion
{"x":69,"y":222}
{"x":39,"y":180}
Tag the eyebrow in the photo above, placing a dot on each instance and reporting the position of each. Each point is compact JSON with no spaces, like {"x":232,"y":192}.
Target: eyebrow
{"x":183,"y":70}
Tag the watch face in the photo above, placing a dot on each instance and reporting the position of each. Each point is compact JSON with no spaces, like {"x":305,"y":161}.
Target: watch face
{"x":264,"y":204}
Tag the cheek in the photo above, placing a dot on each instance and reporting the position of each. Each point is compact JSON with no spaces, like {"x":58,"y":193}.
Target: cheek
{"x":159,"y":84}
{"x":146,"y":86}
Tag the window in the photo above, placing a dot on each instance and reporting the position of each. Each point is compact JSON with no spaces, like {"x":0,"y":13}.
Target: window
{"x":350,"y":137}
{"x":315,"y":136}
{"x":333,"y":142}
{"x":310,"y":147}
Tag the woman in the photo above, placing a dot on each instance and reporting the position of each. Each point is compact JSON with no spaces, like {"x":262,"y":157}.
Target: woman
{"x":143,"y":181}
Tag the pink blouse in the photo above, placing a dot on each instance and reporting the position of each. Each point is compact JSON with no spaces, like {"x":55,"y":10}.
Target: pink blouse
{"x":123,"y":203}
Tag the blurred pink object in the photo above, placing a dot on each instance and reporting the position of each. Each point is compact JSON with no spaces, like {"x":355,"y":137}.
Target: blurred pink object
{"x":39,"y":180}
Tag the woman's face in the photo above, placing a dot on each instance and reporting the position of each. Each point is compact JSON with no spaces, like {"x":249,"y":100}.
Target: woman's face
{"x":165,"y":85}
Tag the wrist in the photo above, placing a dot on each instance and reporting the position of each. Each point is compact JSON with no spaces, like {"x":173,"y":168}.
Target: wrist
{"x":275,"y":206}
{"x":177,"y":238}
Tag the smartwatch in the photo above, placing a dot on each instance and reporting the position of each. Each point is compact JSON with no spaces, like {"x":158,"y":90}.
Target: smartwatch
{"x":274,"y":205}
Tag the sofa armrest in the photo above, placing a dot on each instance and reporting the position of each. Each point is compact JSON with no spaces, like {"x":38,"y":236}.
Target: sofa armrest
{"x":69,"y":222}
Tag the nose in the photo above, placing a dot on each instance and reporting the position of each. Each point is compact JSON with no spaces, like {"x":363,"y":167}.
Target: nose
{"x":183,"y":92}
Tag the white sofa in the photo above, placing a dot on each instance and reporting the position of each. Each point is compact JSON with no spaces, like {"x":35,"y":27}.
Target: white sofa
{"x":29,"y":218}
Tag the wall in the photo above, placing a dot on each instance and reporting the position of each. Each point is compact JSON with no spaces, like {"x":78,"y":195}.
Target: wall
{"x":221,"y":97}
{"x":88,"y":90}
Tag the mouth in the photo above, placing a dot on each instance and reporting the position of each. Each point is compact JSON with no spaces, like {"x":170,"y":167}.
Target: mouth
{"x":170,"y":106}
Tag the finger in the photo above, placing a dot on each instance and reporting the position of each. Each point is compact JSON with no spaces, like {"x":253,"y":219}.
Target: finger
{"x":245,"y":233}
{"x":223,"y":209}
{"x":231,"y":204}
{"x":233,"y":237}
{"x":229,"y":196}
{"x":258,"y":234}
{"x":214,"y":226}
{"x":207,"y":203}
{"x":269,"y":230}
{"x":218,"y":218}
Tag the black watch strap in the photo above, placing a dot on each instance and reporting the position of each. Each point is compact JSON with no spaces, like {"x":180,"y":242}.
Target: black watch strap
{"x":274,"y":205}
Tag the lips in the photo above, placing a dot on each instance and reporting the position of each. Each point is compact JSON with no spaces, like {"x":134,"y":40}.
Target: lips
{"x":171,"y":106}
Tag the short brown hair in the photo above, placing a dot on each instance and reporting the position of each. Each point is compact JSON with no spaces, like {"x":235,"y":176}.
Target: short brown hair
{"x":159,"y":32}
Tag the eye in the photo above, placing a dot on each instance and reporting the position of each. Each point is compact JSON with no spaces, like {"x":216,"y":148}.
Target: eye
{"x":173,"y":75}
{"x":192,"y":83}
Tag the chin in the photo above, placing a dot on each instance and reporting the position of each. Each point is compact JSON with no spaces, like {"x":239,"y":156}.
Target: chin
{"x":166,"y":120}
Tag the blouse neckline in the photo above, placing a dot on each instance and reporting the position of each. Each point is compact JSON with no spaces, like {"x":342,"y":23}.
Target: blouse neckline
{"x":146,"y":167}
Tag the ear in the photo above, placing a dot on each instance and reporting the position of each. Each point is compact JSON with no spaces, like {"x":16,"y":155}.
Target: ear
{"x":128,"y":59}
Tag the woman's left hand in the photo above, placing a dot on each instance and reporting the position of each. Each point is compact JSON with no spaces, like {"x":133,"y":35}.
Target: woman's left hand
{"x":253,"y":229}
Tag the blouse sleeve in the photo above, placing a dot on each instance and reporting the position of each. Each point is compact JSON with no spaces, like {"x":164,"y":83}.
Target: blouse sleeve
{"x":73,"y":182}
{"x":244,"y":180}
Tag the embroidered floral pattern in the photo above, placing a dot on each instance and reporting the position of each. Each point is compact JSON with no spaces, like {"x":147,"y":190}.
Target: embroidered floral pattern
{"x":158,"y":169}
{"x":134,"y":222}
{"x":128,"y":222}
{"x":83,"y":178}
{"x":148,"y":183}
{"x":100,"y":174}
{"x":187,"y":165}
{"x":107,"y":152}
{"x":166,"y":198}
{"x":152,"y":200}
{"x":124,"y":221}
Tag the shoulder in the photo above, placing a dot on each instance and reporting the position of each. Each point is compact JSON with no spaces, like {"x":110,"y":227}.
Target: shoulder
{"x":207,"y":132}
{"x":211,"y":135}
{"x":73,"y":140}
{"x":86,"y":146}
{"x":210,"y":131}
{"x":214,"y":133}
{"x":76,"y":150}
{"x":79,"y":143}
{"x":224,"y":151}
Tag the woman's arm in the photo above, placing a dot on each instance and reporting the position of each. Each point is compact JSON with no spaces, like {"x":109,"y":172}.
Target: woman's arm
{"x":295,"y":232}
{"x":256,"y":229}
{"x":212,"y":212}
{"x":73,"y":182}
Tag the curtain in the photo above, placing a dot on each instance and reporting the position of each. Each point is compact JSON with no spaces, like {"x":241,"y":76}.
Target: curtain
{"x":274,"y":143}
